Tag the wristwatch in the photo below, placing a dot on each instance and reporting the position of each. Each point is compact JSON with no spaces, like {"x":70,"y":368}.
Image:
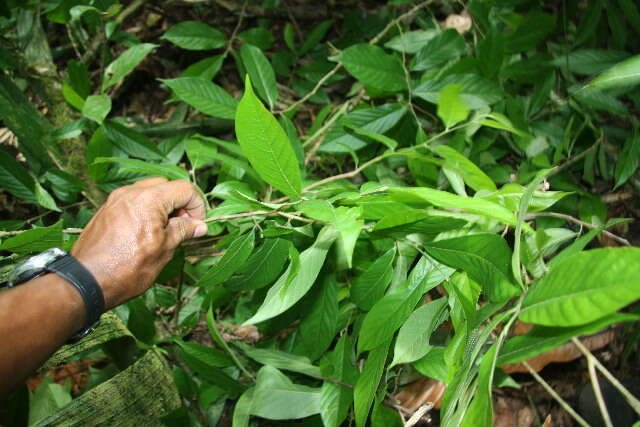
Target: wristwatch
{"x":59,"y":262}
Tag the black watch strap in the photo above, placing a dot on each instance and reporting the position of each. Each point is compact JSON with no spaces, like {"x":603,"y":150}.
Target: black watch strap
{"x":75,"y":273}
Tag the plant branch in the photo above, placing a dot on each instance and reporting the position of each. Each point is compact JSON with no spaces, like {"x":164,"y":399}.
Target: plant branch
{"x":556,"y":396}
{"x":15,"y":233}
{"x":617,"y":238}
{"x":258,"y":213}
{"x":573,"y":160}
{"x":373,"y":41}
{"x":633,"y":401}
{"x":118,"y":20}
{"x":598,"y":393}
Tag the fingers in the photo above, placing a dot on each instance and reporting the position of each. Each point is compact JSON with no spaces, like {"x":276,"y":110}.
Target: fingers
{"x":182,"y":228}
{"x":180,"y":195}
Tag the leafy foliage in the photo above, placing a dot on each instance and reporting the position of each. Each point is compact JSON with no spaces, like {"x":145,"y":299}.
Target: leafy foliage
{"x":386,"y":194}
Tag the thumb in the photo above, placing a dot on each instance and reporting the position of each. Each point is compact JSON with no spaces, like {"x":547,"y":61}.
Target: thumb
{"x":181,"y":228}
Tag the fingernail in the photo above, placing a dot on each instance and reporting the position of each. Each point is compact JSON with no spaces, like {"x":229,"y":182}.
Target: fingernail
{"x":200,"y":230}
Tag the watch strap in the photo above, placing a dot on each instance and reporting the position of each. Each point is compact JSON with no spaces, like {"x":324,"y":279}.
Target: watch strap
{"x":75,"y":273}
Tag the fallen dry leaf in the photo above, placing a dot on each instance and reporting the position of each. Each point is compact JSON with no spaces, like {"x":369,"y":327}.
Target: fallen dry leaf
{"x":419,"y":393}
{"x":461,"y":23}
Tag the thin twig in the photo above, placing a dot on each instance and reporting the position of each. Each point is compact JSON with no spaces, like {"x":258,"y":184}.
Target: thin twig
{"x":633,"y":401}
{"x":556,"y":396}
{"x":16,"y":232}
{"x":373,"y":41}
{"x":118,"y":20}
{"x":573,"y":160}
{"x":258,"y":213}
{"x":598,"y":393}
{"x":579,"y":222}
{"x":235,"y":30}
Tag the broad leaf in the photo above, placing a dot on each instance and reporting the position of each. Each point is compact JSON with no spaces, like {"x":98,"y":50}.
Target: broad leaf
{"x":233,"y":258}
{"x":311,"y":261}
{"x":532,"y":30}
{"x":266,"y":145}
{"x":195,"y":35}
{"x":282,"y":360}
{"x":262,"y":268}
{"x":413,"y":339}
{"x":623,"y":74}
{"x":35,"y":240}
{"x":372,"y":284}
{"x":15,"y":179}
{"x":365,"y":389}
{"x":628,"y":160}
{"x":388,"y":314}
{"x":125,"y":63}
{"x":97,"y":107}
{"x":411,"y":41}
{"x":260,"y":72}
{"x":473,"y":176}
{"x":152,"y":169}
{"x":276,"y":397}
{"x":451,"y":108}
{"x":447,"y":46}
{"x":544,"y":338}
{"x":423,"y":196}
{"x":205,"y":96}
{"x":484,"y":257}
{"x":584,"y":287}
{"x":475,"y":91}
{"x":131,"y":142}
{"x":373,"y":67}
{"x":335,"y":399}
{"x":480,"y":411}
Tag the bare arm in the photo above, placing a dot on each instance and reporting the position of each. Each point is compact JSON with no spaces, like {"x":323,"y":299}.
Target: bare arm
{"x":125,"y":245}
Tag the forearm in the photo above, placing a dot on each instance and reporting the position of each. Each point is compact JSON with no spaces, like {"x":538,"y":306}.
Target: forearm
{"x":36,"y":318}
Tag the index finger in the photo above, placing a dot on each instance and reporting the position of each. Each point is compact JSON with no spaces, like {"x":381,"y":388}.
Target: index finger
{"x":180,"y":194}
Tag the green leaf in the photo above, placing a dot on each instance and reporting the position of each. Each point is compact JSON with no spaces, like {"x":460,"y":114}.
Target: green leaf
{"x":318,"y":328}
{"x":623,"y":74}
{"x":314,"y":37}
{"x":262,"y":268}
{"x":413,"y":339}
{"x":242,"y":409}
{"x":589,"y":22}
{"x":476,"y":92}
{"x":97,"y":107}
{"x":35,"y":240}
{"x":388,"y":314}
{"x":15,"y":179}
{"x":628,"y":160}
{"x":47,"y":399}
{"x":365,"y":389}
{"x":480,"y":411}
{"x":311,"y":261}
{"x":632,"y":13}
{"x":422,"y":196}
{"x":371,"y":285}
{"x":411,"y":41}
{"x":125,"y":63}
{"x":484,"y":257}
{"x":533,"y":29}
{"x":206,"y":68}
{"x":261,"y":73}
{"x":589,"y":61}
{"x":335,"y":399}
{"x":44,"y":199}
{"x":195,"y":35}
{"x":432,"y":365}
{"x":500,"y":121}
{"x":205,"y":96}
{"x":282,"y":360}
{"x":447,"y":46}
{"x":141,"y":320}
{"x":416,"y":221}
{"x":131,"y":142}
{"x":584,"y":287}
{"x":152,"y":169}
{"x":541,"y":339}
{"x":472,"y":174}
{"x":385,"y":140}
{"x":259,"y":37}
{"x":276,"y":397}
{"x":234,"y":258}
{"x":378,"y":120}
{"x":373,"y":67}
{"x":266,"y":145}
{"x":199,"y":152}
{"x":209,"y":373}
{"x":451,"y":107}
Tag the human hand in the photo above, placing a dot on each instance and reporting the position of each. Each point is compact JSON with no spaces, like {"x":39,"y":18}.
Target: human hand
{"x":133,"y":235}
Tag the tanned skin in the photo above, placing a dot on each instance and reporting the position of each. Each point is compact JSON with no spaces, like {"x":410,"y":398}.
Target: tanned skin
{"x":125,"y":245}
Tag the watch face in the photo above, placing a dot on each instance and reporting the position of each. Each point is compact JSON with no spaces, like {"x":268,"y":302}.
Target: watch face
{"x":35,"y":265}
